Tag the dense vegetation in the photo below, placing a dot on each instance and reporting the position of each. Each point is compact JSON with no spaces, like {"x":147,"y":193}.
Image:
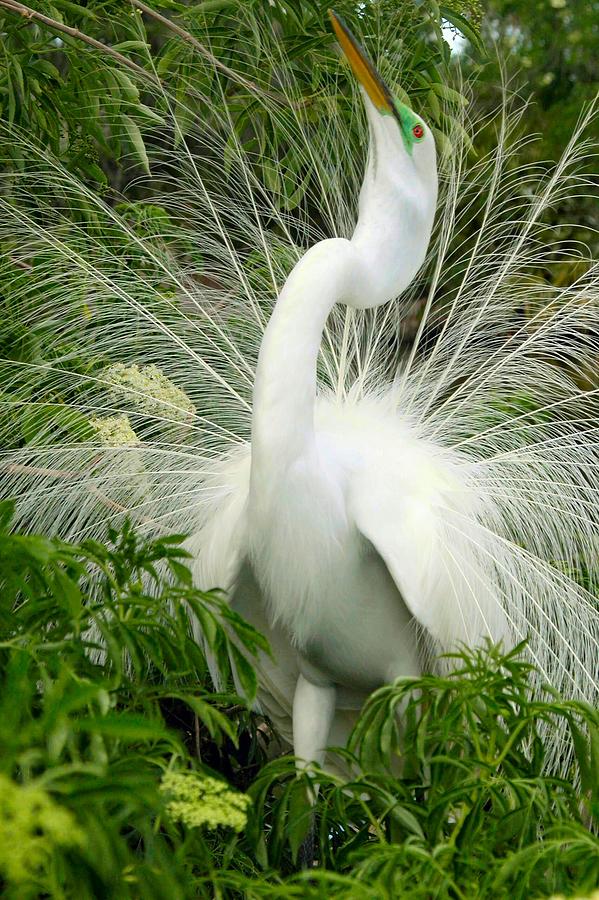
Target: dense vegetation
{"x":122,"y":772}
{"x":114,"y":750}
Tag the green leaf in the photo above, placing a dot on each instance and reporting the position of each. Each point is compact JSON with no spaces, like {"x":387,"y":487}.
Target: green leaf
{"x":434,"y":105}
{"x":128,"y":89}
{"x":215,"y":721}
{"x":215,"y":5}
{"x":131,"y":45}
{"x":44,"y":422}
{"x":244,"y":673}
{"x":125,"y":727}
{"x":184,"y":118}
{"x":47,"y":68}
{"x":137,"y":141}
{"x":300,"y":815}
{"x":144,"y":110}
{"x":449,"y":94}
{"x":17,"y":72}
{"x":181,"y":572}
{"x":69,"y":592}
{"x":463,"y":25}
{"x":407,"y":820}
{"x":11,"y":100}
{"x":76,"y":9}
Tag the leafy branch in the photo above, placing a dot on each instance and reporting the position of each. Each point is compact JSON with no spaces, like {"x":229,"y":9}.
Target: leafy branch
{"x":32,"y":14}
{"x":28,"y":13}
{"x":210,"y":57}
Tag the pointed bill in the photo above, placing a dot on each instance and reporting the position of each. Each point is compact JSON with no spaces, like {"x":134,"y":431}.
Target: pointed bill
{"x":362,"y":68}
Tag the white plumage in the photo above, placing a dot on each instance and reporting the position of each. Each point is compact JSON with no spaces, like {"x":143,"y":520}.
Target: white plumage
{"x":354,"y":546}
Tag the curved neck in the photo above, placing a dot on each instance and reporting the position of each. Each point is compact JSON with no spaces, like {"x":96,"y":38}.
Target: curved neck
{"x":383,"y":256}
{"x":285,"y":386}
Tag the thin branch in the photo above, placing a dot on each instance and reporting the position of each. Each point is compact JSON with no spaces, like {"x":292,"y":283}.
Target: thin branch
{"x":207,"y":54}
{"x":118,"y":507}
{"x":196,"y":732}
{"x":28,"y":13}
{"x":21,"y":469}
{"x":21,"y":264}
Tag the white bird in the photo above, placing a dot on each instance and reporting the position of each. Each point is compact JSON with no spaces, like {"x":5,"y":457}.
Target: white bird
{"x":337,"y":531}
{"x":379,"y":513}
{"x":348,"y":537}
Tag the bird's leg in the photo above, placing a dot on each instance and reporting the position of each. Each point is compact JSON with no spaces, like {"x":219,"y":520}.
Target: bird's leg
{"x":313,"y":711}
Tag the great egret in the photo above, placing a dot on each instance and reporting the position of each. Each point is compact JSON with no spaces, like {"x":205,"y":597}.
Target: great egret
{"x":339,"y":513}
{"x":379,"y":513}
{"x":347,"y":527}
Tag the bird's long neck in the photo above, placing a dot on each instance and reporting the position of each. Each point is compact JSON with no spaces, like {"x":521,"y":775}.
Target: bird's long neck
{"x":385,"y":252}
{"x":285,"y":386}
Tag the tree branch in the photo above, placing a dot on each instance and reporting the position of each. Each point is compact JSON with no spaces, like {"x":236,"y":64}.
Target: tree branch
{"x":207,"y":54}
{"x":28,"y":13}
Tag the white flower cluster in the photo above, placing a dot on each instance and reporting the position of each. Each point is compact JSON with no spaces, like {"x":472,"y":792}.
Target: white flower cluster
{"x":198,"y":800}
{"x":149,"y":390}
{"x":114,"y":431}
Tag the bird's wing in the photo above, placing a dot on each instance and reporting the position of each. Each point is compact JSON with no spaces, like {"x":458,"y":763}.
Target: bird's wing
{"x":419,"y":519}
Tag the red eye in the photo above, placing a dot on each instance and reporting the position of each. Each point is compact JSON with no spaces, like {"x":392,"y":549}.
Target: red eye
{"x":418,"y":131}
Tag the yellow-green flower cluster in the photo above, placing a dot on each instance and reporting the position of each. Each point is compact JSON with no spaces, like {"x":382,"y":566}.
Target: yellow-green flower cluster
{"x":114,"y":431}
{"x":198,"y":800}
{"x":150,"y":391}
{"x":32,"y":827}
{"x":593,"y":896}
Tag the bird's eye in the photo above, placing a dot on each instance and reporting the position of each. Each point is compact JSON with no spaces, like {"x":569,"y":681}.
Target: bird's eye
{"x":418,"y":132}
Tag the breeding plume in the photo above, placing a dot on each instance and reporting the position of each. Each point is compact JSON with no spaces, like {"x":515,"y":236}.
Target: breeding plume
{"x":366,"y":502}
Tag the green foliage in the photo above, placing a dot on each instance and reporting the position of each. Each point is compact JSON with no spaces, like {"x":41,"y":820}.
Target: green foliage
{"x":99,"y":794}
{"x":449,"y":795}
{"x":546,"y":50}
{"x":74,"y":102}
{"x":103,"y":792}
{"x":96,"y":648}
{"x":553,"y":45}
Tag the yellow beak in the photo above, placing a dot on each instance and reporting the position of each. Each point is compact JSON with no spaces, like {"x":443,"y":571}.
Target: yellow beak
{"x":363,"y":69}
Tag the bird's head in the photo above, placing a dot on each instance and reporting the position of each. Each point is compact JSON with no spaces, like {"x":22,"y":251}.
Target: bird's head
{"x":399,"y":194}
{"x":406,"y":132}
